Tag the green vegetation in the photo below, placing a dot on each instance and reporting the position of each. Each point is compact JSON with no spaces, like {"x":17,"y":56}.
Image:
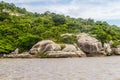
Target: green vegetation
{"x":62,"y":46}
{"x":42,"y":55}
{"x":69,"y":39}
{"x":22,"y":29}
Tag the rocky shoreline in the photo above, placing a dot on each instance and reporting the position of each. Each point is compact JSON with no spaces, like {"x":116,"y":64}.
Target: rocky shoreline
{"x":86,"y":46}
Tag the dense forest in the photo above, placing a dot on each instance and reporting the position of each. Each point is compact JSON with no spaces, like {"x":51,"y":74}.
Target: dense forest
{"x":22,"y":29}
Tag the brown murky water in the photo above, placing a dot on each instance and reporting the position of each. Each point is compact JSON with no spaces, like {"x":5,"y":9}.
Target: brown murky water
{"x":103,"y":68}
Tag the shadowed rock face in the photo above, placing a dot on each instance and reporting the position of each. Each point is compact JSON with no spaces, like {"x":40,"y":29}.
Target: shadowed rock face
{"x":89,"y":44}
{"x":44,"y":46}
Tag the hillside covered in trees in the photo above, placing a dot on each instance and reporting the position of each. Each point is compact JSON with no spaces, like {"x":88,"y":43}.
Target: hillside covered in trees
{"x":22,"y":29}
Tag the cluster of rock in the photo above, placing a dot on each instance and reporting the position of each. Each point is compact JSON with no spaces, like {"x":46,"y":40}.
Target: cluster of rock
{"x":22,"y":55}
{"x":85,"y":46}
{"x":56,"y":50}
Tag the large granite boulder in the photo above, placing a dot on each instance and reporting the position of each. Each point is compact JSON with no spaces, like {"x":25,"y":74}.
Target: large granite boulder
{"x":88,"y":44}
{"x":107,"y":49}
{"x":44,"y":46}
{"x":117,"y":50}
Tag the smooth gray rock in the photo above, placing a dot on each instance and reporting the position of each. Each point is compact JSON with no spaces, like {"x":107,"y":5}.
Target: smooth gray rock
{"x":69,"y":48}
{"x":44,"y":46}
{"x":107,"y":49}
{"x":88,"y":44}
{"x":117,"y":50}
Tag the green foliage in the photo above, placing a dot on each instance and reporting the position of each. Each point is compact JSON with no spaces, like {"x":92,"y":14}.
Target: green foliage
{"x":4,"y":16}
{"x":22,"y":29}
{"x":6,"y":46}
{"x":69,"y":39}
{"x":41,"y":55}
{"x":26,"y":41}
{"x":58,"y":19}
{"x":62,"y":46}
{"x":115,"y":43}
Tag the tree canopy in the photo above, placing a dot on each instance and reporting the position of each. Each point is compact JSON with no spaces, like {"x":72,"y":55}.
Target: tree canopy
{"x":22,"y":29}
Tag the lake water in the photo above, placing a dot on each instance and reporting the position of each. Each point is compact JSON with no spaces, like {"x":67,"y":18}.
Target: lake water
{"x":92,"y":68}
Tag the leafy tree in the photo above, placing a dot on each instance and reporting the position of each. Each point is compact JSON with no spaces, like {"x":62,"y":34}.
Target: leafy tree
{"x":6,"y":46}
{"x":69,"y":39}
{"x":26,"y":41}
{"x":26,"y":28}
{"x":58,"y":19}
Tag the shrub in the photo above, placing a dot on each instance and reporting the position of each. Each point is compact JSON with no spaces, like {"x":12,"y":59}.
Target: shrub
{"x":62,"y":46}
{"x":41,"y":55}
{"x":69,"y":39}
